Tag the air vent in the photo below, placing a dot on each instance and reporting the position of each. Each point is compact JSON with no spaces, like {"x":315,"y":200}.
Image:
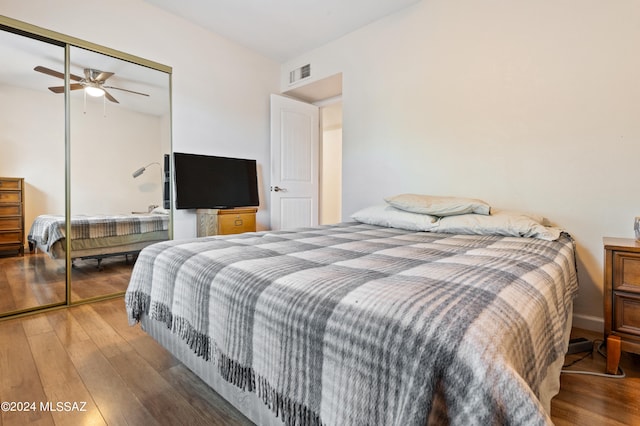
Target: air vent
{"x":300,"y":73}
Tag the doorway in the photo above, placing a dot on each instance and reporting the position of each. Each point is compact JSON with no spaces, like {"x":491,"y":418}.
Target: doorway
{"x":326,"y":94}
{"x":330,"y":202}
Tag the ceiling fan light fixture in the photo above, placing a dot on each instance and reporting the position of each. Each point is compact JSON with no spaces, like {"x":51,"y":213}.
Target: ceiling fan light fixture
{"x":94,"y":91}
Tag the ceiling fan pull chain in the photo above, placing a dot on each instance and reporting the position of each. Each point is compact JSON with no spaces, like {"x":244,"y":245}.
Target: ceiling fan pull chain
{"x":85,"y":102}
{"x":104,"y":106}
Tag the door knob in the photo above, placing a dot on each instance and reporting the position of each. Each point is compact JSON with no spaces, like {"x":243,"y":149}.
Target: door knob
{"x":277,"y":189}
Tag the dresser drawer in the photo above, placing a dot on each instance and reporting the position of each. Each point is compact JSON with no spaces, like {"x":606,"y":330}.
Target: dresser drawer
{"x":11,"y":237}
{"x":626,"y":313}
{"x":626,"y":272}
{"x":6,"y":183}
{"x":10,"y":209}
{"x":236,"y":223}
{"x":10,"y":223}
{"x":10,"y":197}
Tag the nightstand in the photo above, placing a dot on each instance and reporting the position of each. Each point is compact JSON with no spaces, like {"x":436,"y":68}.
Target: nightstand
{"x":225,"y":221}
{"x":621,"y":298}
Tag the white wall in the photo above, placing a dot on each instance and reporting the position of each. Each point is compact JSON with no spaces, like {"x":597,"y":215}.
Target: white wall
{"x":331,"y":168}
{"x":530,"y":105}
{"x":220,"y":89}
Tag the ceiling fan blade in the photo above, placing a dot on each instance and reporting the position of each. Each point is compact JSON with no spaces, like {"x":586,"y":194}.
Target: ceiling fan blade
{"x":60,"y":89}
{"x":126,"y":90}
{"x":103,"y":76}
{"x":53,"y":73}
{"x":108,"y":96}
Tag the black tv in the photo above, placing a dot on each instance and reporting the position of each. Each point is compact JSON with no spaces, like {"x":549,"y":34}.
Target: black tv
{"x":211,"y":182}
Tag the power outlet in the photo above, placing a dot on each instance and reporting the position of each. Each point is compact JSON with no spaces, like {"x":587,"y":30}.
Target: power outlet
{"x":579,"y":344}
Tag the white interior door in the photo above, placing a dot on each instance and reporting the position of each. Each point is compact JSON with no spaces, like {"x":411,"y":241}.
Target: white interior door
{"x":294,"y":163}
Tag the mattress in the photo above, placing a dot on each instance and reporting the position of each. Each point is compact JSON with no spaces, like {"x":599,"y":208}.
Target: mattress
{"x":361,"y":324}
{"x":98,"y":235}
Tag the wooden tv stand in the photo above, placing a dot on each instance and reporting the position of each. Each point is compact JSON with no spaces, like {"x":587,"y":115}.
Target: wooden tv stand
{"x":226,"y":221}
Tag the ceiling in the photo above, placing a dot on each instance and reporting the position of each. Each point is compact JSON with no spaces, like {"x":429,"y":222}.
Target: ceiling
{"x":282,"y":29}
{"x":278,"y":29}
{"x":27,"y":53}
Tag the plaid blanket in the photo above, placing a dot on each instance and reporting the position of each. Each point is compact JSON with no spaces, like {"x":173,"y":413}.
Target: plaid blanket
{"x":47,"y":229}
{"x":354,"y":324}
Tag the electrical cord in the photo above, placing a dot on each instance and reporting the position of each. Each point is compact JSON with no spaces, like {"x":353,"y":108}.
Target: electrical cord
{"x":593,"y":373}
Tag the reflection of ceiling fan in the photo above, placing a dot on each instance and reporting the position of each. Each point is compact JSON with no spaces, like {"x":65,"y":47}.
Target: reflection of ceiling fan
{"x":93,"y":82}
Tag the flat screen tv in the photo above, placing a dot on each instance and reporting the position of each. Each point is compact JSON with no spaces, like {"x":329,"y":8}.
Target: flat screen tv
{"x":210,"y":182}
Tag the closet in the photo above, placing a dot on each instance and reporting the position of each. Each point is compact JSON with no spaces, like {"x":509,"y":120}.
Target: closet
{"x":74,"y":155}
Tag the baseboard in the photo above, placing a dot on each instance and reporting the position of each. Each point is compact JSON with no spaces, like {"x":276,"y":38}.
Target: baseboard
{"x":588,"y":322}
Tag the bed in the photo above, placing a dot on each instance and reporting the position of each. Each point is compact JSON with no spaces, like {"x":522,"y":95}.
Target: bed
{"x":98,"y":236}
{"x":358,"y":323}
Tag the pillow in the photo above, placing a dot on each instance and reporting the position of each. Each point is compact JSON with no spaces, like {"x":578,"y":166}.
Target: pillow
{"x":386,"y":215}
{"x":160,"y":210}
{"x":498,"y":223}
{"x":438,"y":206}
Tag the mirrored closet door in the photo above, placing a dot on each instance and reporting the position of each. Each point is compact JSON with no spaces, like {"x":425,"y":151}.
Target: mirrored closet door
{"x":119,"y":136}
{"x":84,"y":152}
{"x":32,"y":174}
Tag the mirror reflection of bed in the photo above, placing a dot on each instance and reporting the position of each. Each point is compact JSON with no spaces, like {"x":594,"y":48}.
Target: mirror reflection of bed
{"x":107,"y":244}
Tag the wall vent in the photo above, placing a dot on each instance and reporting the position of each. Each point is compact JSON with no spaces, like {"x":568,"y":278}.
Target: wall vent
{"x":300,"y":73}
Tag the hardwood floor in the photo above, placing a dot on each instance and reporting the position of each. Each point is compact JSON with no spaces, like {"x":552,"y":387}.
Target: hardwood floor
{"x":89,"y":354}
{"x":35,"y":280}
{"x":592,"y":400}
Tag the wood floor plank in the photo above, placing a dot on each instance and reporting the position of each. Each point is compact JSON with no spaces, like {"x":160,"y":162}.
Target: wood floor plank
{"x":62,"y":383}
{"x":23,"y":297}
{"x":212,"y":407}
{"x":36,"y":324}
{"x":104,"y":336}
{"x":19,"y":378}
{"x":164,"y":403}
{"x":7,"y":303}
{"x":167,"y":405}
{"x":114,"y":399}
{"x":114,"y":314}
{"x":209,"y":404}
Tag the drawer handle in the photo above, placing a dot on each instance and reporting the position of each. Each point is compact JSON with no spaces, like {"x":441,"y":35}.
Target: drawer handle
{"x":238,"y":222}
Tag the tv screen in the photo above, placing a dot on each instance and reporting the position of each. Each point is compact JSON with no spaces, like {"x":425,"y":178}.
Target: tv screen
{"x":210,"y":182}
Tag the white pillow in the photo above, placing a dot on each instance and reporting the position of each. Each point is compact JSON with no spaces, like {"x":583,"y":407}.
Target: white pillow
{"x":386,"y":215}
{"x":498,"y":223}
{"x":438,"y":206}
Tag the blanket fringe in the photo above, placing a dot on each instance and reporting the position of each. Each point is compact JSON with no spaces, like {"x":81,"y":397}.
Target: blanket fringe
{"x":137,"y":304}
{"x":291,"y":412}
{"x":199,"y":342}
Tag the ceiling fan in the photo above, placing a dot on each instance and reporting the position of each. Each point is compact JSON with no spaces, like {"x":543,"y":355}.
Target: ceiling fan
{"x":93,"y":82}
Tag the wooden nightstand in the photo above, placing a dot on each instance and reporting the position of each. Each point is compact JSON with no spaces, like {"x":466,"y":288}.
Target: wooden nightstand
{"x":621,"y":298}
{"x":225,"y":221}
